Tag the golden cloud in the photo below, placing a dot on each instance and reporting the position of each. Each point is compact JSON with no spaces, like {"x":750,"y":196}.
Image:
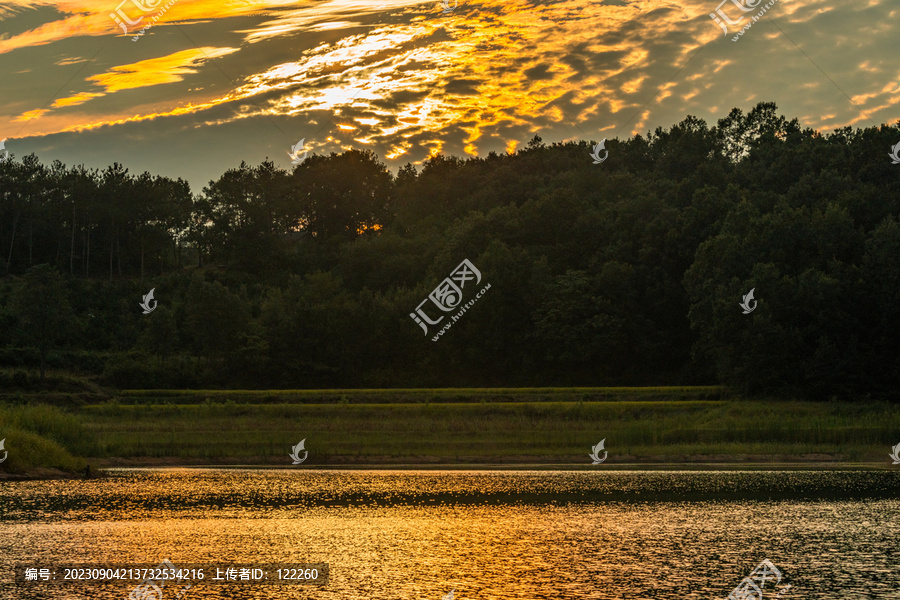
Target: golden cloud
{"x":75,"y":100}
{"x":157,"y":71}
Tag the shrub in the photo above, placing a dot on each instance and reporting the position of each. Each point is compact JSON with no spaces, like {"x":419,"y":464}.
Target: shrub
{"x":28,"y":450}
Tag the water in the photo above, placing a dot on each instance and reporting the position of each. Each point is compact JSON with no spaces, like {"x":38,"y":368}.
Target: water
{"x":491,"y":535}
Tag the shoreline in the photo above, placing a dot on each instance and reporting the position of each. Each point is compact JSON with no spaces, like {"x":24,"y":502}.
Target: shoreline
{"x":106,"y":469}
{"x":644,"y":434}
{"x":50,"y":474}
{"x":698,"y":463}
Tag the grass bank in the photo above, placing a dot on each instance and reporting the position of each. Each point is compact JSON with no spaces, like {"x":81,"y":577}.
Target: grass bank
{"x":39,"y":437}
{"x":545,"y":431}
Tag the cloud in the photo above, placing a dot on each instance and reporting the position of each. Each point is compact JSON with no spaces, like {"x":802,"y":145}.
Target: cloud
{"x":75,"y":19}
{"x":75,"y":100}
{"x":31,"y":114}
{"x":406,"y":80}
{"x":157,"y":71}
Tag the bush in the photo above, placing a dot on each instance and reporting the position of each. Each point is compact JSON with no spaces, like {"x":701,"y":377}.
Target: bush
{"x":28,"y":450}
{"x":49,"y":422}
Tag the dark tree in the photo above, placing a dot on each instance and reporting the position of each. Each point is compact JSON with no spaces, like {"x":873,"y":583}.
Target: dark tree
{"x":41,"y":304}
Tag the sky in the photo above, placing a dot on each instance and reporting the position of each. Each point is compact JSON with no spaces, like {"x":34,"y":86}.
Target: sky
{"x":212,"y":83}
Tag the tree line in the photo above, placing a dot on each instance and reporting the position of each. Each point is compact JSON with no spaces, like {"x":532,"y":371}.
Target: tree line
{"x":625,"y":273}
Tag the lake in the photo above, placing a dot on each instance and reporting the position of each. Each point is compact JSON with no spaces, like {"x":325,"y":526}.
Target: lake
{"x":491,"y":535}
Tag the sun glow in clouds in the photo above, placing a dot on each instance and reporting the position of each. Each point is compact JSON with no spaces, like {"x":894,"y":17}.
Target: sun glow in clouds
{"x":409,"y":80}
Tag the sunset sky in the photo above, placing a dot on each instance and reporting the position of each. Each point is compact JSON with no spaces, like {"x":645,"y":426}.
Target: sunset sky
{"x":213,"y":83}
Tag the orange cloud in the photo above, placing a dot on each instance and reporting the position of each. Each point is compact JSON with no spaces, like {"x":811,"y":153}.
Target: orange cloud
{"x":156,"y":71}
{"x":92,"y":18}
{"x":31,"y":114}
{"x":75,"y":100}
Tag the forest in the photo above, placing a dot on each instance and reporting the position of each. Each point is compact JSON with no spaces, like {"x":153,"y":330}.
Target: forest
{"x":629,"y":272}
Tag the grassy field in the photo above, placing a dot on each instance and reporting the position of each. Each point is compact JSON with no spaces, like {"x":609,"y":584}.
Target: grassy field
{"x":413,"y":395}
{"x":525,"y":426}
{"x":528,"y":432}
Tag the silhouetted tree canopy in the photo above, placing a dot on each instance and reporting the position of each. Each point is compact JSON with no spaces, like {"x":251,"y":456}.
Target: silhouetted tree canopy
{"x":625,"y":273}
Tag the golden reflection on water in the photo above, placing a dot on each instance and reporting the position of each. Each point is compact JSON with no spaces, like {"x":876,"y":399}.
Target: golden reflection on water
{"x":411,"y":535}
